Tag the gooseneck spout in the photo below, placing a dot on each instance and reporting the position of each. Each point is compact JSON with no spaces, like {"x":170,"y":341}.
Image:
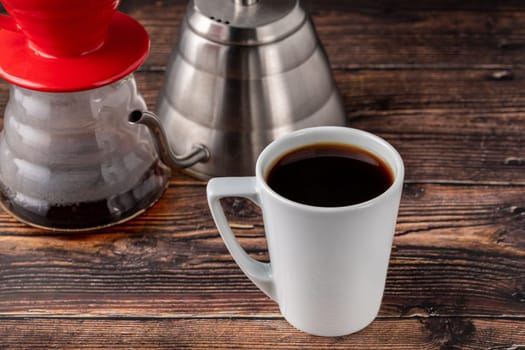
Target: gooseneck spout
{"x":199,"y":153}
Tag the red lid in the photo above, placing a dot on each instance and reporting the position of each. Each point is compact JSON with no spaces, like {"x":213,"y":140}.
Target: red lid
{"x":125,"y":49}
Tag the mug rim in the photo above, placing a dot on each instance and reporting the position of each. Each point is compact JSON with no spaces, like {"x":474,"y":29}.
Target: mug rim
{"x":271,"y":154}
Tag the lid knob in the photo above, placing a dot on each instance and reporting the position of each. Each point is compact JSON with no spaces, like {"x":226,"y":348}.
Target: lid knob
{"x":245,"y":22}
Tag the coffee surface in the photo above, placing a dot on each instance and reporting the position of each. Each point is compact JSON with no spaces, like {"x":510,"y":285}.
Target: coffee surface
{"x":330,"y":175}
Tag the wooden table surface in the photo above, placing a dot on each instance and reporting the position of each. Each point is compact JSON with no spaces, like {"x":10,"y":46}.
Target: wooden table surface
{"x":442,"y":80}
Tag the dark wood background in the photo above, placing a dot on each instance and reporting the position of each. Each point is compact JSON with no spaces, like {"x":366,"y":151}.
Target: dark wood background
{"x":442,"y":80}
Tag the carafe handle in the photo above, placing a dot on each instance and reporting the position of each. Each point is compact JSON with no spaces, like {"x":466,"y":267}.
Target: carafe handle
{"x":8,"y":23}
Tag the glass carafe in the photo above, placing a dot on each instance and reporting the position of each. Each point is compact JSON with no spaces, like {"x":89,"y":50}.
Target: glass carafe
{"x":71,"y":161}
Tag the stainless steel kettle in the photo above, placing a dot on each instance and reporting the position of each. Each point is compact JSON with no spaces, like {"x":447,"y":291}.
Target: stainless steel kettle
{"x":243,"y":73}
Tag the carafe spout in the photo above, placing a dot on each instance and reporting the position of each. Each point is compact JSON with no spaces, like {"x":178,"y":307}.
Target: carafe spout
{"x":199,"y":153}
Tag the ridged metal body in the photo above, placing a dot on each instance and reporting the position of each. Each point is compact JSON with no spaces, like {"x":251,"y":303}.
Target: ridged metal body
{"x":242,"y":74}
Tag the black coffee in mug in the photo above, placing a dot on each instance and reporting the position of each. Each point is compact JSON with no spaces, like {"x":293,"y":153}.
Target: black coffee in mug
{"x":330,"y":175}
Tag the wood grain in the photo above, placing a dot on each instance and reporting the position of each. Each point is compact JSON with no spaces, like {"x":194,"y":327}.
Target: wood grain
{"x":232,"y":333}
{"x":441,"y":80}
{"x":382,"y":34}
{"x":451,"y":257}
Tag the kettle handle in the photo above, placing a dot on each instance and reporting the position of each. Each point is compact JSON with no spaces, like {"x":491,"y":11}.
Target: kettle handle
{"x":8,"y":23}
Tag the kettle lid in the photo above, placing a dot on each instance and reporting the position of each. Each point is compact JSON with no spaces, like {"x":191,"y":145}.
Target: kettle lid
{"x":245,"y":22}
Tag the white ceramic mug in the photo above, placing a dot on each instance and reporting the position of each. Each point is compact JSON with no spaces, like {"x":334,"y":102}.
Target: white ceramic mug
{"x":328,"y":266}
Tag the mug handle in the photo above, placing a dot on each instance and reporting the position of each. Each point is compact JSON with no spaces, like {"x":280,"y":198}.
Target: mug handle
{"x":7,"y":22}
{"x":259,"y":273}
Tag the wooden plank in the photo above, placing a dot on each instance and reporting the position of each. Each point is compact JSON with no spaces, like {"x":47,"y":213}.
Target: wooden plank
{"x":402,"y":33}
{"x":464,"y":97}
{"x":431,"y":333}
{"x":406,"y":101}
{"x":459,"y":250}
{"x":453,"y":126}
